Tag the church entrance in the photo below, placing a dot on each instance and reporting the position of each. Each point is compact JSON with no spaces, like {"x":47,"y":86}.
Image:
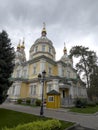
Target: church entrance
{"x":65,"y":97}
{"x":65,"y":93}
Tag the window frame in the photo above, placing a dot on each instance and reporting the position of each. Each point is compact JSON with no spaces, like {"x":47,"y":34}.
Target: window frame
{"x":36,"y":49}
{"x":50,"y":50}
{"x":33,"y":89}
{"x":50,"y":97}
{"x":43,"y":48}
{"x":50,"y":70}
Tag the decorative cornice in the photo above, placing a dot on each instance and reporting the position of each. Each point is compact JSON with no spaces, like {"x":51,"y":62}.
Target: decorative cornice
{"x":42,"y":52}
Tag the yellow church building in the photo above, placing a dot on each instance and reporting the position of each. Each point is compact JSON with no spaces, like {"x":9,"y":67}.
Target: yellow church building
{"x":60,"y":77}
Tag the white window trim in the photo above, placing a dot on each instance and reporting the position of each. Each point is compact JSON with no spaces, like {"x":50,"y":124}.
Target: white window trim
{"x":50,"y":97}
{"x":43,"y":48}
{"x":32,"y":85}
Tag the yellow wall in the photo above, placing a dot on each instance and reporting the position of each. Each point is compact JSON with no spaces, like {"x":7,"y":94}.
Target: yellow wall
{"x":46,"y":50}
{"x":55,"y":103}
{"x":55,"y":70}
{"x":30,"y":71}
{"x":31,"y":75}
{"x":24,"y":91}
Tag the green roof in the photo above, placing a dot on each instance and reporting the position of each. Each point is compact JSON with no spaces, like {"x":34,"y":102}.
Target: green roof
{"x":53,"y":92}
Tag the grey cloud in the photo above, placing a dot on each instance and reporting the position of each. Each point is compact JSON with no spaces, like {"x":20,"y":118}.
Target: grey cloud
{"x":65,"y":19}
{"x":70,"y":13}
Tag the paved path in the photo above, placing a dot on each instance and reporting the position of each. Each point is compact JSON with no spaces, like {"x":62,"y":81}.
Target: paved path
{"x":90,"y":121}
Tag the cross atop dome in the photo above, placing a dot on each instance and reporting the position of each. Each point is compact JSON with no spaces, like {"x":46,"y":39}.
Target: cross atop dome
{"x":44,"y":30}
{"x":23,"y":46}
{"x":65,"y":49}
{"x":44,"y":25}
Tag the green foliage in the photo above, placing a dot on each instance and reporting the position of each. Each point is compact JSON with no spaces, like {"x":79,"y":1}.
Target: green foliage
{"x":91,"y":104}
{"x":87,"y":61}
{"x":28,"y":101}
{"x":13,"y":119}
{"x":87,"y":110}
{"x":39,"y":125}
{"x":19,"y":101}
{"x":80,"y":103}
{"x":93,"y":90}
{"x":7,"y":56}
{"x":38,"y":102}
{"x":96,"y":102}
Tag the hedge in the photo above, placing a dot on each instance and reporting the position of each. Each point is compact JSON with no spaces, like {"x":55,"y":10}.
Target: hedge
{"x":38,"y":125}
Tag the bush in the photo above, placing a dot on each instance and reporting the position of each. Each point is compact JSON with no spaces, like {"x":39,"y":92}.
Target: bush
{"x":80,"y":103}
{"x":28,"y":101}
{"x":96,"y":102}
{"x":38,"y":102}
{"x":19,"y":101}
{"x":91,"y":104}
{"x":39,"y":125}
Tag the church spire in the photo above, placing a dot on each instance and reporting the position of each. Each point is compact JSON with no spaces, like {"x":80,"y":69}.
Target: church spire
{"x":23,"y":46}
{"x":65,"y":49}
{"x":18,"y":46}
{"x":44,"y":30}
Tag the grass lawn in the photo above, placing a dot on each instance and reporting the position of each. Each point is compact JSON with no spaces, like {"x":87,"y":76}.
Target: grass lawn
{"x":11,"y":119}
{"x":87,"y":110}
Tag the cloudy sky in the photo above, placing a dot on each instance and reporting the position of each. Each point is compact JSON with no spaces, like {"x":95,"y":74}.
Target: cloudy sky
{"x":74,"y":22}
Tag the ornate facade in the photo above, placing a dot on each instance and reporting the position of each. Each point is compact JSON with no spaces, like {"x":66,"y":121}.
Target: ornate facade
{"x":60,"y":75}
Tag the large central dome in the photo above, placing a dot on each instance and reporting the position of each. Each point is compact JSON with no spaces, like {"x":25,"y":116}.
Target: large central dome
{"x":42,"y":46}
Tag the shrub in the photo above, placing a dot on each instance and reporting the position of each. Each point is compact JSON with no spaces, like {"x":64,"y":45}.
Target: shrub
{"x":39,"y":125}
{"x":91,"y":104}
{"x":96,"y":102}
{"x":19,"y":101}
{"x":38,"y":102}
{"x":28,"y":101}
{"x":80,"y":103}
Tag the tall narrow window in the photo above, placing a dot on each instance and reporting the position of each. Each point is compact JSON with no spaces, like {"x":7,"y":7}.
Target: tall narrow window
{"x":50,"y":71}
{"x":13,"y":90}
{"x":33,"y":90}
{"x":43,"y":47}
{"x":49,"y":87}
{"x":34,"y":70}
{"x":68,"y":74}
{"x":62,"y":72}
{"x":49,"y":49}
{"x":25,"y":74}
{"x":63,"y":93}
{"x":36,"y":48}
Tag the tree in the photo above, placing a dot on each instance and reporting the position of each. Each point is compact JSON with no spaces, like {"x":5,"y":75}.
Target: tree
{"x":93,"y":90}
{"x":7,"y":56}
{"x":87,"y":61}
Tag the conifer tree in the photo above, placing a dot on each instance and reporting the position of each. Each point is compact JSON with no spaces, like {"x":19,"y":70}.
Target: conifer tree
{"x":7,"y":56}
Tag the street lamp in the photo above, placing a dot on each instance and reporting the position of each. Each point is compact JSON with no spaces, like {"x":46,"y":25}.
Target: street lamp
{"x":41,"y":78}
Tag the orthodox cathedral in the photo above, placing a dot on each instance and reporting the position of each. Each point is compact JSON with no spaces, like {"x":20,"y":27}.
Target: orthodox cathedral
{"x":60,"y":76}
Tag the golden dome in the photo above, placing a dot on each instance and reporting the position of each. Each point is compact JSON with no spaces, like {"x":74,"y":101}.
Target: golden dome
{"x":44,"y":30}
{"x":18,"y":46}
{"x":65,"y":49}
{"x":22,"y":46}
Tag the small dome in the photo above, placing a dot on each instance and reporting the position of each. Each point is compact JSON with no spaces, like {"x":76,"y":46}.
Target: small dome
{"x":18,"y":47}
{"x":65,"y":58}
{"x":23,"y":46}
{"x":41,"y":40}
{"x":42,"y":46}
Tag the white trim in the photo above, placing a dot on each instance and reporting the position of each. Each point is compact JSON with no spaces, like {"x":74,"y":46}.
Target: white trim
{"x":51,"y":97}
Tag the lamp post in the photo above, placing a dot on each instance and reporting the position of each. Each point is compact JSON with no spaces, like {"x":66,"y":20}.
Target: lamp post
{"x":41,"y":78}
